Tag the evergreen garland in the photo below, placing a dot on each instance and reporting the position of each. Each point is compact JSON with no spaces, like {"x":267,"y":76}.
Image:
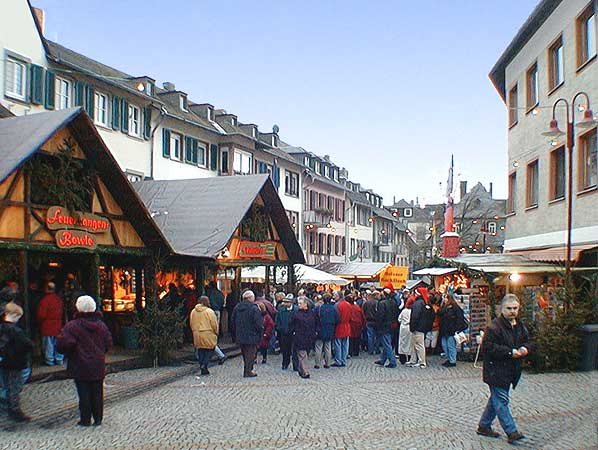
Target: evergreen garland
{"x":254,"y":225}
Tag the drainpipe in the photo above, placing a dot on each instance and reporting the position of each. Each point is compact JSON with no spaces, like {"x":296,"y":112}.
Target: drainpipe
{"x":163,"y":113}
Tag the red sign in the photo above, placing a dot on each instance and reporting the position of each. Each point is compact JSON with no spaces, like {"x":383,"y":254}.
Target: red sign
{"x":258,"y":250}
{"x":75,"y":239}
{"x":59,"y":218}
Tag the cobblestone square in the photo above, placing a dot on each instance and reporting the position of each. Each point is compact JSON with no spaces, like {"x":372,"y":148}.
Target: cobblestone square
{"x":361,"y":406}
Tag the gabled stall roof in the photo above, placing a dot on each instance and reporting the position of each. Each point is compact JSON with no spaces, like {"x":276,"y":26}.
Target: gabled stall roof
{"x":21,"y":137}
{"x":503,"y":263}
{"x":199,"y":216}
{"x":353,"y":270}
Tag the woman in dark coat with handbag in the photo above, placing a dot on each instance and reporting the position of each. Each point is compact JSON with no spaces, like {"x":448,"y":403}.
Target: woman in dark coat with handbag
{"x":85,"y":341}
{"x":452,"y":320}
{"x":303,"y":325}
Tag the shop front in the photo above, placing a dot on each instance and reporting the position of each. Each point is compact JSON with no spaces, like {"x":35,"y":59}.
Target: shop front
{"x":69,"y":216}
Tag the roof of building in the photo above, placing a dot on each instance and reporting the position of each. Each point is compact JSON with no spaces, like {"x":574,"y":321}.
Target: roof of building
{"x":479,"y":203}
{"x":384,"y":213}
{"x":200,"y":216}
{"x":358,"y":198}
{"x":503,"y":263}
{"x":354,"y":269}
{"x":402,"y":204}
{"x":21,"y":137}
{"x":536,"y":19}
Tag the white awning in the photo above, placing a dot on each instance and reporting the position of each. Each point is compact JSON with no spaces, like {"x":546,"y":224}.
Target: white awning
{"x":435,"y":271}
{"x":303,"y":274}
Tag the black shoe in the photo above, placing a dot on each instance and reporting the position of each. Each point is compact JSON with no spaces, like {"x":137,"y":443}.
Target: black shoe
{"x":205,"y":371}
{"x":316,"y":367}
{"x":379,"y":363}
{"x":250,"y":375}
{"x":446,"y":363}
{"x":285,"y":367}
{"x":450,"y":364}
{"x":97,"y":423}
{"x":487,"y":432}
{"x":326,"y":367}
{"x":264,"y":361}
{"x":514,"y":437}
{"x":337,"y":365}
{"x":304,"y":376}
{"x":221,"y":360}
{"x":84,"y":424}
{"x":18,"y":416}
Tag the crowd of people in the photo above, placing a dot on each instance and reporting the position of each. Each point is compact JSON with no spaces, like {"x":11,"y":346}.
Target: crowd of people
{"x":400,"y":326}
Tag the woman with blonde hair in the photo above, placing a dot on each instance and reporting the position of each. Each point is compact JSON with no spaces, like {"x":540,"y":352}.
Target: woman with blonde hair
{"x":204,"y":327}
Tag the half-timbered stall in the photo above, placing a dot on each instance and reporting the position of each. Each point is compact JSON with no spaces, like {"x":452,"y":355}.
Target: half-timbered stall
{"x":68,"y":215}
{"x":222,"y":224}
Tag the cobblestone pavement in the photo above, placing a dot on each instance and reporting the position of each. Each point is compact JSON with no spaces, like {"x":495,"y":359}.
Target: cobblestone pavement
{"x":361,"y":406}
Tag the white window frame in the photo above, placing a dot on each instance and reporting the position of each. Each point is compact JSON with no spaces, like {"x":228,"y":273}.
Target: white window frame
{"x":176,"y":146}
{"x":134,"y":122}
{"x":98,"y":109}
{"x":242,"y":162}
{"x":201,"y":147}
{"x":63,"y":93}
{"x":182,"y":100}
{"x":22,"y":65}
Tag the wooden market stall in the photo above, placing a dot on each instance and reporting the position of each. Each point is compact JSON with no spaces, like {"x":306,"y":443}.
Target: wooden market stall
{"x":222,"y":224}
{"x":69,"y":215}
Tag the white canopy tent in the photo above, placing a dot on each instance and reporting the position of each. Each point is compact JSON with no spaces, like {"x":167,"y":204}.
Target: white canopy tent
{"x":303,"y":274}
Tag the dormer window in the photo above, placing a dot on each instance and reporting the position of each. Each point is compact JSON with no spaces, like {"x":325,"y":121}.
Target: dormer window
{"x":327,"y":171}
{"x":210,"y":114}
{"x":306,"y":160}
{"x":233,"y":122}
{"x":183,"y":103}
{"x":149,"y":88}
{"x":254,"y":132}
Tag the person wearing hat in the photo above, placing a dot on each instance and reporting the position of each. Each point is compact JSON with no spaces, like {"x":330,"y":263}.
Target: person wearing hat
{"x":84,"y":341}
{"x":285,"y":336}
{"x":16,"y":348}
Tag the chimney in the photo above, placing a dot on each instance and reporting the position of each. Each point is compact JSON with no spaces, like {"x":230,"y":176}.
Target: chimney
{"x":462,"y":189}
{"x":491,"y":186}
{"x":39,"y":18}
{"x":394,"y":200}
{"x":168,"y":86}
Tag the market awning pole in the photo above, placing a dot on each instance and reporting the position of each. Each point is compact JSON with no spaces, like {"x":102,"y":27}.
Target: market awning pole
{"x":267,"y":284}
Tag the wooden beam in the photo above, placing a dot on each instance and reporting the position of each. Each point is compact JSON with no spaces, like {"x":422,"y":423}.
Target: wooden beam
{"x":6,"y":202}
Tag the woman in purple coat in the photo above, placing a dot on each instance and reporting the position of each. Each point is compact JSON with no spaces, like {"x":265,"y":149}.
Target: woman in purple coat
{"x":85,"y":341}
{"x":303,"y":324}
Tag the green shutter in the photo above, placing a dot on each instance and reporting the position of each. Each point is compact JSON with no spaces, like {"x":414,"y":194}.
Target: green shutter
{"x":213,"y":157}
{"x":124,"y":116}
{"x":165,"y":143}
{"x":115,"y":112}
{"x":147,"y":125}
{"x":90,"y":100}
{"x":36,"y":84}
{"x":79,"y":93}
{"x":225,"y":168}
{"x":50,"y":86}
{"x":188,"y":149}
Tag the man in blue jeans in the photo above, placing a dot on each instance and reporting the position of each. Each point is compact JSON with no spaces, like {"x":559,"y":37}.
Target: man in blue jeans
{"x":505,"y":344}
{"x":387,"y":313}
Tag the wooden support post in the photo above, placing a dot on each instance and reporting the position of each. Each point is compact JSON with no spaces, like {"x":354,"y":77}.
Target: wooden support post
{"x":200,"y":278}
{"x":267,"y":284}
{"x":24,"y":288}
{"x":291,"y":278}
{"x":95,"y":280}
{"x":149,"y":281}
{"x":138,"y":287}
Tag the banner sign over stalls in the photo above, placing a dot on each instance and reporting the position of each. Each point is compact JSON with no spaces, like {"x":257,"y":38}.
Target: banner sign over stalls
{"x":75,"y":229}
{"x":257,"y":250}
{"x":397,"y":275}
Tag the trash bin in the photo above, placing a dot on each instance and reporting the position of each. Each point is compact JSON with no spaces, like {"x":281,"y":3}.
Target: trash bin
{"x":130,"y":337}
{"x":589,"y":347}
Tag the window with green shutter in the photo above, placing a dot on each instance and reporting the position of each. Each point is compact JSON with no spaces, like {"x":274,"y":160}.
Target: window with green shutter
{"x":36,"y":84}
{"x":49,"y":90}
{"x":79,"y":93}
{"x":201,"y":154}
{"x":213,"y":157}
{"x":115,"y":112}
{"x":165,"y":143}
{"x":89,"y":103}
{"x":188,"y":149}
{"x":124,"y":116}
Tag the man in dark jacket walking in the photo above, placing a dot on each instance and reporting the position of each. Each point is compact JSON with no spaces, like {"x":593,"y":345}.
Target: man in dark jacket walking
{"x":285,"y":335}
{"x":85,"y":341}
{"x":249,"y":328}
{"x":15,"y":349}
{"x":505,"y":344}
{"x":422,"y":318}
{"x":386,"y":315}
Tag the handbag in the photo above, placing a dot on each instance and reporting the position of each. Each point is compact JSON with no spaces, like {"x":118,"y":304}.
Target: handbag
{"x":460,"y":337}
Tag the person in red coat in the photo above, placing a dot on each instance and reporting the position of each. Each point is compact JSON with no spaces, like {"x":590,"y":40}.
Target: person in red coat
{"x":357,"y":323}
{"x":267,"y":334}
{"x":342,"y":333}
{"x":49,"y":318}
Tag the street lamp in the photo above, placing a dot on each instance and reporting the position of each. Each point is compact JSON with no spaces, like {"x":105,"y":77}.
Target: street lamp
{"x":554,"y":131}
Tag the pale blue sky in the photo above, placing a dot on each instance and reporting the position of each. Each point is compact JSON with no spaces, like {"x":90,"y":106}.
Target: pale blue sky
{"x":388,"y":89}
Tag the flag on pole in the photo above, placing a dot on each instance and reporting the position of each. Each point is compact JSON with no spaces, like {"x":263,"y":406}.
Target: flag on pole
{"x":449,"y":182}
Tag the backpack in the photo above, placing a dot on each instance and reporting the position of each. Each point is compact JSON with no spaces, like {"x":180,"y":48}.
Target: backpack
{"x":427,"y":318}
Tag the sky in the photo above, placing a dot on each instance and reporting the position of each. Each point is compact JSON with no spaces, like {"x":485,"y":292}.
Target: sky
{"x":388,"y":89}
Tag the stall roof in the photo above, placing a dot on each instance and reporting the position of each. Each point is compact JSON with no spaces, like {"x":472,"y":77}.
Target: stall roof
{"x":199,"y":216}
{"x":353,"y":270}
{"x":503,"y":263}
{"x":22,"y":136}
{"x":555,"y":254}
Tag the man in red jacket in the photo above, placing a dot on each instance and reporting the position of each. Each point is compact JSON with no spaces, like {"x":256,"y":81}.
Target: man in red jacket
{"x":49,"y":318}
{"x":342,"y":333}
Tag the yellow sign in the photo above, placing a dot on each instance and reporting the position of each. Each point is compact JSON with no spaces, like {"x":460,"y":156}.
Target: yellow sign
{"x":397,"y":275}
